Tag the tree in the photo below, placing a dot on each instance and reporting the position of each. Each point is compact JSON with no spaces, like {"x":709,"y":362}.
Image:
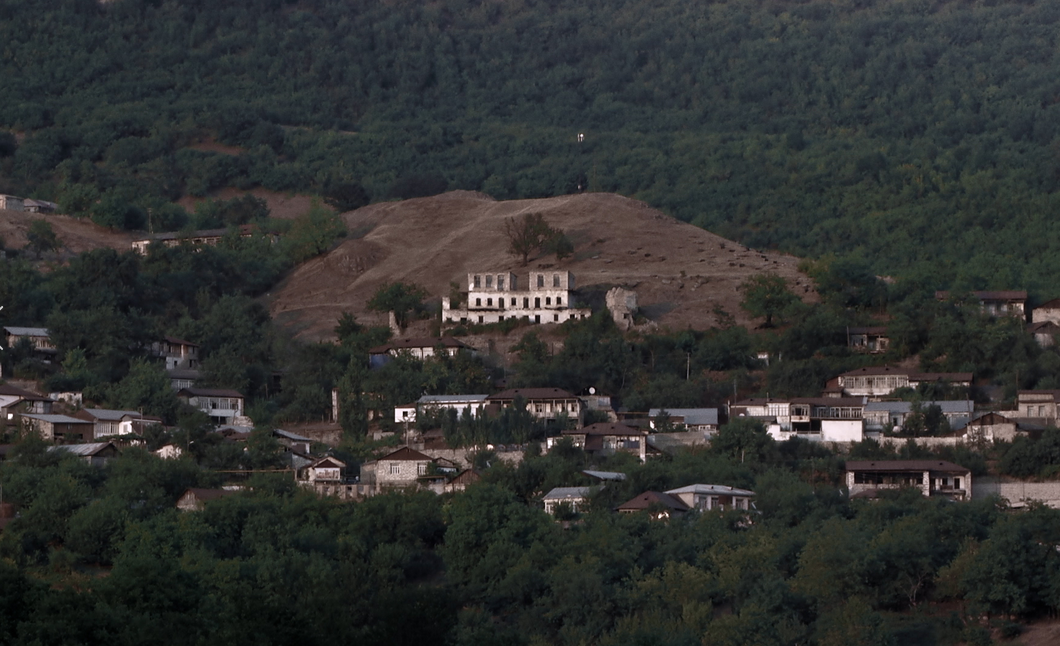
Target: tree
{"x":766,"y":295}
{"x":400,"y":298}
{"x":313,"y":233}
{"x":346,"y":196}
{"x":529,"y":233}
{"x":41,"y":237}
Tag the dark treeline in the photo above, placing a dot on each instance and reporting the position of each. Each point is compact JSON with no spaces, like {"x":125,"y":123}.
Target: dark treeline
{"x":920,"y":134}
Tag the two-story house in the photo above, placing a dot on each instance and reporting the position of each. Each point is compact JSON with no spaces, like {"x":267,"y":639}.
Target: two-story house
{"x":881,"y":381}
{"x":222,"y":405}
{"x":607,"y":438}
{"x":496,"y":297}
{"x":999,"y":303}
{"x":432,"y":404}
{"x":893,"y":414}
{"x":546,"y":404}
{"x":401,"y":468}
{"x":693,"y":419}
{"x":866,"y":478}
{"x":419,"y":348}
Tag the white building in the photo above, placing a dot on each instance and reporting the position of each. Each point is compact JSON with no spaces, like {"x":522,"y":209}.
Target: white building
{"x":492,"y":298}
{"x":471,"y":403}
{"x":11,"y":203}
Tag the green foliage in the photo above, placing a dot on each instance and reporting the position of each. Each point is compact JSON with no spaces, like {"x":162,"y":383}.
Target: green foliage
{"x":767,"y":296}
{"x":529,"y":233}
{"x":41,"y":237}
{"x":403,"y":299}
{"x":313,"y":233}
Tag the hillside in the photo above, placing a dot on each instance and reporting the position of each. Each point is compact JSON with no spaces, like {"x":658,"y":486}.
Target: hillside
{"x":680,"y":272}
{"x":75,"y":235}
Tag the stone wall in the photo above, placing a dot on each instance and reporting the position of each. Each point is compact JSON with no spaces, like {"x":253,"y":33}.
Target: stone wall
{"x":1017,"y":492}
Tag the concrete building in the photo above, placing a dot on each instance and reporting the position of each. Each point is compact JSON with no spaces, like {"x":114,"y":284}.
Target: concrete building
{"x":866,"y":478}
{"x":497,"y":297}
{"x":11,"y":203}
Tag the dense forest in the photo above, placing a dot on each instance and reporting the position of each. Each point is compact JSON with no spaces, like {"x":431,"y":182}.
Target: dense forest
{"x":921,"y":135}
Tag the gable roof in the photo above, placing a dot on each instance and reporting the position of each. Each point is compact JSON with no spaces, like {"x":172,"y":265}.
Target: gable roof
{"x":568,"y":493}
{"x":451,"y":399}
{"x":605,"y":475}
{"x":84,"y":450}
{"x":13,"y":391}
{"x":328,"y":462}
{"x":405,"y":454}
{"x":109,"y":415}
{"x":57,"y":419}
{"x":650,"y":499}
{"x":991,"y":418}
{"x":956,"y":406}
{"x":26,"y":331}
{"x":905,"y":465}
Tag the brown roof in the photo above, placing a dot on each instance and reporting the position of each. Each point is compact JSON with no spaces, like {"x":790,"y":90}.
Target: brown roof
{"x":873,"y":329}
{"x":532,"y":393}
{"x":650,"y":499}
{"x":904,"y":465}
{"x":1050,"y":305}
{"x":175,"y":341}
{"x":406,"y":454}
{"x":1046,"y":327}
{"x":466,"y":477}
{"x":991,"y":418}
{"x":830,"y":401}
{"x":606,"y":428}
{"x":7,"y":389}
{"x":870,"y":371}
{"x":419,"y":342}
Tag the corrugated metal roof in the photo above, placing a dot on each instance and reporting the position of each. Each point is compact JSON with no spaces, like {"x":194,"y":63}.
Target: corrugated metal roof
{"x":56,"y":419}
{"x":27,"y":331}
{"x":711,"y":490}
{"x":110,"y":415}
{"x":451,"y":399}
{"x":951,"y":407}
{"x":605,"y":475}
{"x":82,"y":450}
{"x":568,"y":493}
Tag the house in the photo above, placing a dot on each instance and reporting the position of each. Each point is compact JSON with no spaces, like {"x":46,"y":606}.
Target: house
{"x":222,"y":405}
{"x":13,"y":399}
{"x":39,"y":206}
{"x":710,"y":497}
{"x":169,"y":452}
{"x":1003,"y":303}
{"x":607,"y":438}
{"x":594,"y":401}
{"x":97,"y":454}
{"x":136,"y":424}
{"x":866,"y":478}
{"x":462,"y":481}
{"x":881,"y":381}
{"x":991,"y":426}
{"x":401,"y":468}
{"x":881,"y":415}
{"x":1038,"y":404}
{"x":194,"y":499}
{"x":473,"y":404}
{"x":181,"y":378}
{"x":546,"y":404}
{"x":605,"y":476}
{"x":419,"y":348}
{"x":660,"y":506}
{"x":575,"y":498}
{"x":194,"y":238}
{"x":497,"y":297}
{"x":825,"y":419}
{"x":1047,"y":312}
{"x":58,"y":428}
{"x":1044,"y":333}
{"x":693,"y":419}
{"x":325,"y":470}
{"x":11,"y":203}
{"x":293,"y":442}
{"x":177,"y":353}
{"x":873,"y":339}
{"x":38,"y":337}
{"x":106,"y":423}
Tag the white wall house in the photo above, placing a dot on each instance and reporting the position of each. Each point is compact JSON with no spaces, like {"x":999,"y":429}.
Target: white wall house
{"x":496,"y":297}
{"x":471,"y":403}
{"x":223,"y":406}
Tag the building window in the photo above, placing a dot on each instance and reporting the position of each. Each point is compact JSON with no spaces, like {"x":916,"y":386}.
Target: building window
{"x":513,"y":302}
{"x":477,"y":282}
{"x":489,"y":302}
{"x":421,"y":469}
{"x":480,"y":319}
{"x":555,"y":317}
{"x":489,"y":281}
{"x":500,"y":282}
{"x":548,"y":300}
{"x":526,"y":302}
{"x":395,"y":468}
{"x":540,"y":280}
{"x":478,"y":302}
{"x":537,"y":301}
{"x":501,"y":318}
{"x":537,"y":318}
{"x":555,"y":280}
{"x":559,"y":300}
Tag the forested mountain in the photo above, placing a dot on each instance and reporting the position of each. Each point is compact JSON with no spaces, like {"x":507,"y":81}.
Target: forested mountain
{"x":919,"y":135}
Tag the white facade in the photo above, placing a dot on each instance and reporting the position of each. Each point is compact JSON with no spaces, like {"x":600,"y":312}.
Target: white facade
{"x":496,"y":297}
{"x":11,"y":203}
{"x":471,"y":403}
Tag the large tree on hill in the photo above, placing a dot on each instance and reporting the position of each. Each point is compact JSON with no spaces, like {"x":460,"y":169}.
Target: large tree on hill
{"x":528,"y":233}
{"x":766,"y":295}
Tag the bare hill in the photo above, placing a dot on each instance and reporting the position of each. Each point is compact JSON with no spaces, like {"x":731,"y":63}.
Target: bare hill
{"x":680,"y":272}
{"x":75,"y":235}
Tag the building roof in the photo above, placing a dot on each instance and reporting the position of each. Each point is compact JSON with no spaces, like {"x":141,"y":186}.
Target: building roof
{"x":606,"y":428}
{"x":287,"y":435}
{"x":175,"y":341}
{"x":405,"y":454}
{"x":650,"y":499}
{"x":209,"y":392}
{"x":1050,"y":305}
{"x":451,"y":399}
{"x":872,"y":329}
{"x":569,"y":493}
{"x":419,"y":342}
{"x":466,"y":477}
{"x":987,"y":419}
{"x":14,"y":391}
{"x":952,"y":407}
{"x":1010,"y":295}
{"x":711,"y":490}
{"x":26,"y":331}
{"x":110,"y":415}
{"x":904,"y":465}
{"x":207,"y":494}
{"x":1043,"y":327}
{"x":1055,"y":394}
{"x":691,"y":416}
{"x":605,"y":475}
{"x":532,"y":393}
{"x":875,"y":371}
{"x":56,"y":419}
{"x":84,"y":450}
{"x":855,"y":402}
